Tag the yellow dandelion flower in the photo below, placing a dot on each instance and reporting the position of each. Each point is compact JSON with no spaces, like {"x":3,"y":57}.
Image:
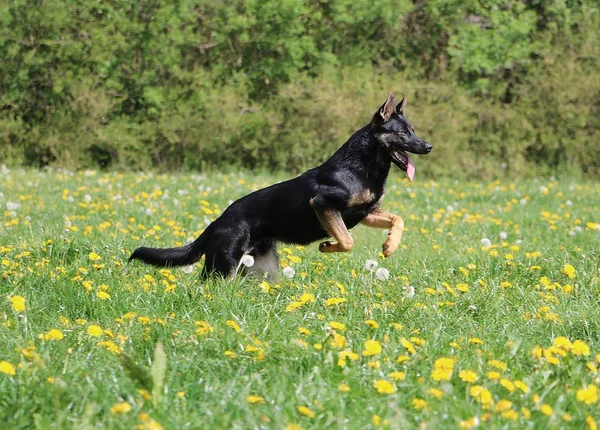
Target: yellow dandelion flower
{"x":304,"y":331}
{"x":469,"y":424}
{"x":306,"y":411}
{"x":234,"y":326}
{"x":500,"y":365}
{"x":580,"y":348}
{"x":120,"y":408}
{"x":307,"y":298}
{"x":591,"y":423}
{"x":409,"y":346}
{"x":343,"y":388}
{"x":335,"y":301}
{"x":384,"y":387}
{"x":337,"y":326}
{"x":94,"y":257}
{"x":102,"y":295}
{"x":503,"y":405}
{"x":372,"y":323}
{"x":468,"y":376}
{"x":493,"y":375}
{"x":402,"y":359}
{"x":338,"y":341}
{"x":374,"y":364}
{"x":253,"y":400}
{"x":569,"y":271}
{"x":203,"y":328}
{"x":481,"y":394}
{"x":442,"y":369}
{"x":508,"y":384}
{"x":522,"y":386}
{"x":371,"y":348}
{"x":546,"y":409}
{"x":110,"y":346}
{"x":18,"y":303}
{"x":436,"y":392}
{"x":563,"y":343}
{"x":7,"y":368}
{"x":419,"y":404}
{"x":54,"y":334}
{"x":94,"y":331}
{"x":398,"y":376}
{"x":588,"y":395}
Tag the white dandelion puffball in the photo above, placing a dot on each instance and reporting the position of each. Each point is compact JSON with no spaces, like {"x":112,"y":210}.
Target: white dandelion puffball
{"x":382,"y":274}
{"x":523,"y":201}
{"x":409,"y":292}
{"x":247,"y":260}
{"x":371,"y":265}
{"x":187,"y":269}
{"x":486,"y":242}
{"x":10,"y":206}
{"x":289,"y":272}
{"x":503,"y":235}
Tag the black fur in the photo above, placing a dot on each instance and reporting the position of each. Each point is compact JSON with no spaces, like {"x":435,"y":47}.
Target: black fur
{"x":286,"y":212}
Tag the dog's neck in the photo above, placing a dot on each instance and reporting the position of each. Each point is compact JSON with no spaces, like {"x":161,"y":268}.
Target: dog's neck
{"x":364,"y":155}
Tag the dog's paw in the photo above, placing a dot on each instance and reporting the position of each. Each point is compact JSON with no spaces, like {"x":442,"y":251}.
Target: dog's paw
{"x":390,"y":246}
{"x":325,"y":246}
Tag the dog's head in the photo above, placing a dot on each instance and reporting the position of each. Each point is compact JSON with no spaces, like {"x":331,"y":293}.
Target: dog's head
{"x":396,"y":134}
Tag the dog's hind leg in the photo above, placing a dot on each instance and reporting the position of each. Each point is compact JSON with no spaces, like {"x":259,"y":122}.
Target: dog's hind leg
{"x":266,"y":261}
{"x":224,"y":253}
{"x":382,"y":219}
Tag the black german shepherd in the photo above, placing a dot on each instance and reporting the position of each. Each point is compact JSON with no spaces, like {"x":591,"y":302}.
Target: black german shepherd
{"x":326,"y":201}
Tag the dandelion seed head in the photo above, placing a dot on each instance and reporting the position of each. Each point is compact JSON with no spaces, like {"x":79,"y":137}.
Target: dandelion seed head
{"x":371,"y":265}
{"x":382,"y":274}
{"x":247,"y":260}
{"x":289,"y":272}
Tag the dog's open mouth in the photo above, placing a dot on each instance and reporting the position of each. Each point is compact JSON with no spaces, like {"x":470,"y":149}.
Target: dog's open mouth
{"x":404,"y":162}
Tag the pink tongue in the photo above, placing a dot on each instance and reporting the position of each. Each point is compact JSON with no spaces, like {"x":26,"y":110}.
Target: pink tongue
{"x":410,"y":169}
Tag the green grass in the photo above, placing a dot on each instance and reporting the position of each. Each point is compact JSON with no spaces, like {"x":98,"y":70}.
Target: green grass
{"x":71,"y":234}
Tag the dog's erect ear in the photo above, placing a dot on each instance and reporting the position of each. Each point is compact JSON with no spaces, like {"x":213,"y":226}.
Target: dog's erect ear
{"x":401,"y":106}
{"x":385,"y":111}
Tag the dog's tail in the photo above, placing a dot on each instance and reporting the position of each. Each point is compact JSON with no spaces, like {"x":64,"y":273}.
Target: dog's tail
{"x":181,"y":256}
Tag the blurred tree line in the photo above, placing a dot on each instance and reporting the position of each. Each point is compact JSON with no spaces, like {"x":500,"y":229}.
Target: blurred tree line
{"x":499,"y":87}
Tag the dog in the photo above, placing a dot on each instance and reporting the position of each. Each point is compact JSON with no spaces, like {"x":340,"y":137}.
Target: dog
{"x":326,"y":201}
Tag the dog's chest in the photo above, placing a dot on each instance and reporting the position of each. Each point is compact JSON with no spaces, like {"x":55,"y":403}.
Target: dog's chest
{"x":365,"y":197}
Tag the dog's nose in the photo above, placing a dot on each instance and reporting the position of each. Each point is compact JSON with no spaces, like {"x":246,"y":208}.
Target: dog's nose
{"x":428,"y":147}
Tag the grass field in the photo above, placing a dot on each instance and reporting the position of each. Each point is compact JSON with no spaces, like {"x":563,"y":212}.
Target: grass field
{"x":453,"y":333}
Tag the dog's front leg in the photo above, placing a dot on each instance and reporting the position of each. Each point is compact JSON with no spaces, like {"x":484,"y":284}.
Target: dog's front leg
{"x":333,"y":224}
{"x":382,"y":219}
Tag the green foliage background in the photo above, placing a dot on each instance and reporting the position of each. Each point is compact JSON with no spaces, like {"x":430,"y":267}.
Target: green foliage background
{"x":499,"y":87}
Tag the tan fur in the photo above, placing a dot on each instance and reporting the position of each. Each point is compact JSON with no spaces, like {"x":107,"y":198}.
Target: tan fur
{"x":382,"y":219}
{"x":362,"y":198}
{"x":332,"y":222}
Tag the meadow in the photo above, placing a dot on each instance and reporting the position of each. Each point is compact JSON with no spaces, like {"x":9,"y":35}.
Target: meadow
{"x":488,"y":314}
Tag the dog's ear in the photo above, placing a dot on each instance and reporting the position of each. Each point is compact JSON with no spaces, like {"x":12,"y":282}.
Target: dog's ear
{"x":385,"y":111}
{"x":401,"y":106}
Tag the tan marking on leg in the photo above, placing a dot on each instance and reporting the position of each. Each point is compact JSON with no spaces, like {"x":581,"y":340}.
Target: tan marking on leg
{"x":382,"y":219}
{"x":332,"y":222}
